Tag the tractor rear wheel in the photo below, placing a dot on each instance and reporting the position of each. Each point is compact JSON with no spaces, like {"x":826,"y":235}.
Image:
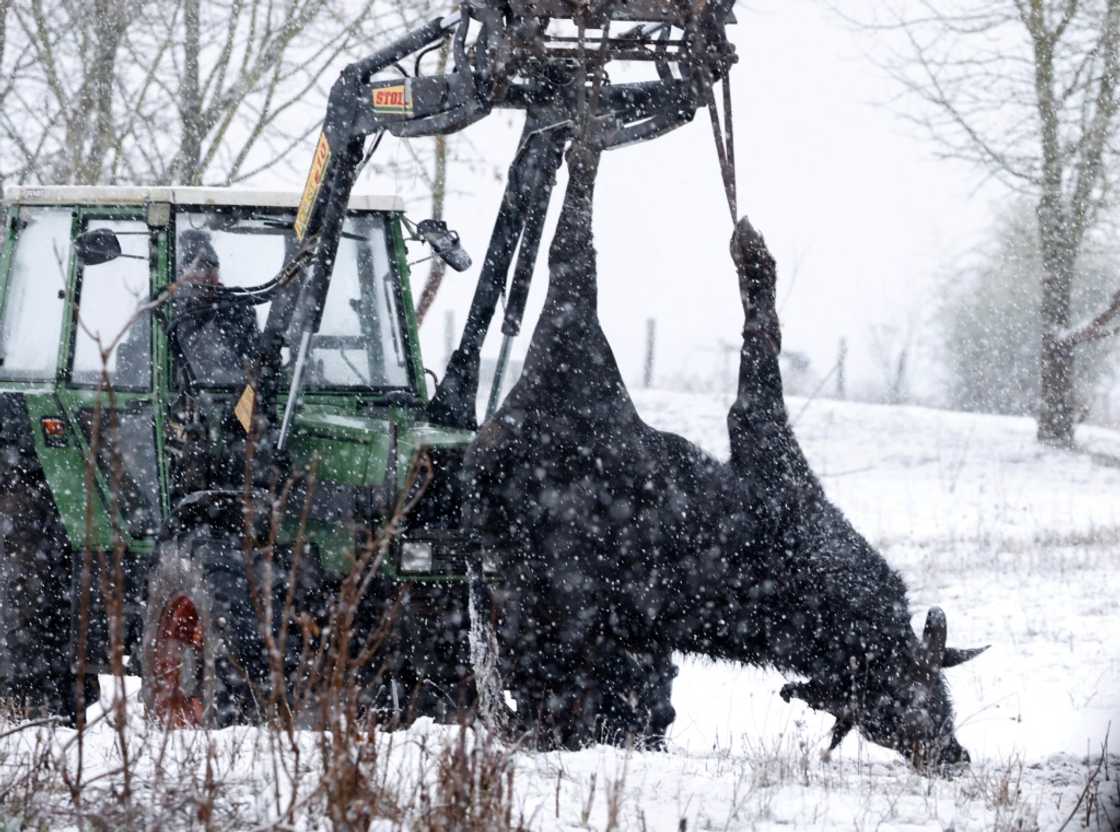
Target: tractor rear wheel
{"x":202,"y":653}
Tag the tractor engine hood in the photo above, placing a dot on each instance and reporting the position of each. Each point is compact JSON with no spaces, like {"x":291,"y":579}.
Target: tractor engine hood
{"x":366,"y":468}
{"x":357,"y":449}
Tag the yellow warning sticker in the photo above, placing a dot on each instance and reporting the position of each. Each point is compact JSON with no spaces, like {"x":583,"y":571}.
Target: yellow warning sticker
{"x":394,"y":99}
{"x":244,"y":409}
{"x":314,"y":182}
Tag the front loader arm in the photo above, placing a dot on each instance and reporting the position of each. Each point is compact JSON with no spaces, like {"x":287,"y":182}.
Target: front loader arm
{"x":358,"y":107}
{"x":513,"y":62}
{"x":631,"y":113}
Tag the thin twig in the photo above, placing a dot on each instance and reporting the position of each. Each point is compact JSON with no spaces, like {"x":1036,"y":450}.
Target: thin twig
{"x":1092,"y":779}
{"x":38,"y":723}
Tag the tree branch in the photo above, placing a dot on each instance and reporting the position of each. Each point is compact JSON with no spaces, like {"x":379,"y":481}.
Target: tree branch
{"x":1088,"y":170}
{"x":1094,"y":329}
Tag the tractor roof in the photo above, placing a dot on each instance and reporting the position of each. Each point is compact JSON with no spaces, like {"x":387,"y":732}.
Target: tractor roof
{"x":123,"y":195}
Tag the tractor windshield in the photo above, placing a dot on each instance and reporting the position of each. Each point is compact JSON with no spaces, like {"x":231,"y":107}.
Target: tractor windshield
{"x":359,"y":343}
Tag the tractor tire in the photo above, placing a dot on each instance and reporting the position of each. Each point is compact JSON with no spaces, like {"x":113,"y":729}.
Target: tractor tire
{"x":202,"y":652}
{"x":38,"y":614}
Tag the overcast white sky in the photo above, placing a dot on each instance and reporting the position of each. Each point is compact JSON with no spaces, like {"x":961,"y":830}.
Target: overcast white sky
{"x":859,"y":213}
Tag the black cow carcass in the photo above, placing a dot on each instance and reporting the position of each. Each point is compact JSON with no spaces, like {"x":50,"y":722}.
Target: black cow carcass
{"x":624,"y":544}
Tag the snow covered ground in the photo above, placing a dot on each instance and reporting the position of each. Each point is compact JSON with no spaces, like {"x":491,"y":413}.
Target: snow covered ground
{"x":1018,"y":544}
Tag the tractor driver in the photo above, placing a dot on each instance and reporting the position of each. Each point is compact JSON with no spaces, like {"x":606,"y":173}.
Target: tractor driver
{"x":217,"y":336}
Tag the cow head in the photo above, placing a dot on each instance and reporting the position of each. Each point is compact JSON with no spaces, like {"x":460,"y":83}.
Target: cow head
{"x":905,"y":707}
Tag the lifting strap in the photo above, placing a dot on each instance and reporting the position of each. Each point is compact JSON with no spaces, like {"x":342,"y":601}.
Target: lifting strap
{"x":723,"y":134}
{"x":725,"y":143}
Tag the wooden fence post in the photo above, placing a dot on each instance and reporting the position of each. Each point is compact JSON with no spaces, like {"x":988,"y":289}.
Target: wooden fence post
{"x":651,"y":340}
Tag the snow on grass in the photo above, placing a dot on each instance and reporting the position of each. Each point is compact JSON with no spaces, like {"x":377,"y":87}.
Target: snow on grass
{"x":913,"y":474}
{"x":1018,"y":543}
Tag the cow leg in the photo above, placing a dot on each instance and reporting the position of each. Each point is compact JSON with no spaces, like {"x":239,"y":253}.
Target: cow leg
{"x":763,"y":447}
{"x":576,"y":675}
{"x":572,"y":269}
{"x":633,"y":694}
{"x":656,"y":699}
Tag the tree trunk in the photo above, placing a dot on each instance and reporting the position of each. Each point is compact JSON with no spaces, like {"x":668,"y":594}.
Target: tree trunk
{"x":108,"y":29}
{"x":189,"y":158}
{"x":1055,"y":404}
{"x":1055,"y":400}
{"x":438,"y":268}
{"x":439,"y":197}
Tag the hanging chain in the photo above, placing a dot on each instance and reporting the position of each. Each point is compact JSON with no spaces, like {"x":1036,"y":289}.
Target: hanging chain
{"x":722,"y":133}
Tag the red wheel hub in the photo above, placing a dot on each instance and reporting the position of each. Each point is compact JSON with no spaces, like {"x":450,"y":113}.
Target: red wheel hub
{"x":177,"y":665}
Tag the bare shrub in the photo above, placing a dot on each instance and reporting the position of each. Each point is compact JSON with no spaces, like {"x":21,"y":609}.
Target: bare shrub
{"x":473,"y":788}
{"x":120,"y":770}
{"x":1000,"y":788}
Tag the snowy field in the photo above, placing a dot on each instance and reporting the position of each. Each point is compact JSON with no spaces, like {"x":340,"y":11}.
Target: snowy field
{"x":1018,"y":544}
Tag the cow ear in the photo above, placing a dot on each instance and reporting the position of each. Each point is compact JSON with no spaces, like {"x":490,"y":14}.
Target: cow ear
{"x":840,"y":729}
{"x":956,"y":655}
{"x":933,"y":637}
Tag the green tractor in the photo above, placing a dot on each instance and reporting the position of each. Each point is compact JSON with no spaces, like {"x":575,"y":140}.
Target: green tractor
{"x":143,"y":514}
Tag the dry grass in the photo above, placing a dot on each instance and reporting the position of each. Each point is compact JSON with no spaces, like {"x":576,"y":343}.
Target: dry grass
{"x":255,"y":777}
{"x":321,"y":757}
{"x":472,"y":789}
{"x":1000,"y":789}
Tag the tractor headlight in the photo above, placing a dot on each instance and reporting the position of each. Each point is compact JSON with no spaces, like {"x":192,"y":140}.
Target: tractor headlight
{"x":416,"y":556}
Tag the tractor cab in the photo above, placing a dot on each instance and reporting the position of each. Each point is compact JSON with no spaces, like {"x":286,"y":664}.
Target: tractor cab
{"x":128,"y":320}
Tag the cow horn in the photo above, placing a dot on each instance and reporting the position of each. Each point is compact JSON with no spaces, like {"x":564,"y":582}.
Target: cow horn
{"x":957,"y":655}
{"x":933,"y":637}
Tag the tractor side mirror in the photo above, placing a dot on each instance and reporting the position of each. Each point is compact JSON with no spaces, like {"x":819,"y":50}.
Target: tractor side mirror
{"x":445,"y":243}
{"x":97,"y":246}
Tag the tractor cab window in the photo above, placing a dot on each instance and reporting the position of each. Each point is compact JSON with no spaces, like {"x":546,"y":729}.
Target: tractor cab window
{"x":35,"y":297}
{"x":111,"y":299}
{"x":216,"y":334}
{"x":359,"y":341}
{"x":112,"y":342}
{"x":359,"y":344}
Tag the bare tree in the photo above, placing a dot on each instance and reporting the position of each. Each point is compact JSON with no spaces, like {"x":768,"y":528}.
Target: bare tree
{"x":437,"y":184}
{"x":5,"y":88}
{"x":1027,"y":90}
{"x":989,"y":324}
{"x":192,"y":91}
{"x":890,"y":349}
{"x":182,"y":91}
